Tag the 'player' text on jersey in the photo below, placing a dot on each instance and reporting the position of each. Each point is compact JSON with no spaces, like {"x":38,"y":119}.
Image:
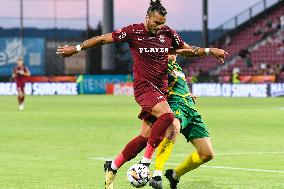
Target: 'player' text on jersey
{"x":154,"y":50}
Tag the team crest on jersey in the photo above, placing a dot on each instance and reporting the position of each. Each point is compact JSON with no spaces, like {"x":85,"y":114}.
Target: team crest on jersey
{"x":122,"y":35}
{"x":162,"y":38}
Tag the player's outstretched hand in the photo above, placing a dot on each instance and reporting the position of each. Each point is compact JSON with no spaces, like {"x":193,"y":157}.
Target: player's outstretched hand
{"x":66,"y":50}
{"x":219,"y":54}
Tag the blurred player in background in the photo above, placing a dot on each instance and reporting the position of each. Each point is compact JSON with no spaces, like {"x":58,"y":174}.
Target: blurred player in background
{"x":19,"y":74}
{"x":150,"y":43}
{"x":189,"y":123}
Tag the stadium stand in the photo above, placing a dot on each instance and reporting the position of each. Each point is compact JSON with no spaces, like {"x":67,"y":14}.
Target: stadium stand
{"x":256,"y":47}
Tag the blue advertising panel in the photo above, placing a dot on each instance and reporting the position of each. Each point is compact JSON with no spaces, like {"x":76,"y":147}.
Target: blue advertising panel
{"x":32,"y":50}
{"x":96,"y":84}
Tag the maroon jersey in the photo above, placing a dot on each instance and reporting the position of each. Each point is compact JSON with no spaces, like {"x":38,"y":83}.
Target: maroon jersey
{"x":19,"y":78}
{"x":149,"y":52}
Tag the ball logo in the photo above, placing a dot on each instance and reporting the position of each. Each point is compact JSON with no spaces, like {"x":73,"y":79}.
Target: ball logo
{"x":134,"y":174}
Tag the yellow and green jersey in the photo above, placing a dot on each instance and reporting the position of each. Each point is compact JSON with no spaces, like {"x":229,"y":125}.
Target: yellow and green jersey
{"x":177,"y":86}
{"x":180,"y":101}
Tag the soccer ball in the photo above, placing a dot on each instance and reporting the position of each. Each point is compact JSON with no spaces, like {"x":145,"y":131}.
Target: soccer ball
{"x":138,"y":175}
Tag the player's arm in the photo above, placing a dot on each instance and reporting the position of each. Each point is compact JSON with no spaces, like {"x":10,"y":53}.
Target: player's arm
{"x":188,"y":51}
{"x":68,"y":50}
{"x":27,"y":72}
{"x":14,"y":74}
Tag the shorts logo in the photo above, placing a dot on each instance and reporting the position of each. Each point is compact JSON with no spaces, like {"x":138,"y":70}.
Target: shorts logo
{"x":160,"y":97}
{"x":177,"y":112}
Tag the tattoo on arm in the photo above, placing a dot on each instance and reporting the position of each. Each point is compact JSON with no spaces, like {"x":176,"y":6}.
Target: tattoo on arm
{"x":195,"y":50}
{"x":82,"y":46}
{"x":93,"y":42}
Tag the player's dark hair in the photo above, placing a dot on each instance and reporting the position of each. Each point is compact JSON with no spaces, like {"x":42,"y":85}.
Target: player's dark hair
{"x":156,"y":6}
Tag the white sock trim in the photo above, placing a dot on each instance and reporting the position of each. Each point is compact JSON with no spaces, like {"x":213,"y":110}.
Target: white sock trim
{"x":145,"y":160}
{"x":113,"y":166}
{"x":158,"y":173}
{"x":175,"y":175}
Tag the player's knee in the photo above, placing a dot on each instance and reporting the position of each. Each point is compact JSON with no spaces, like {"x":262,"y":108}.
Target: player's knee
{"x":159,"y":130}
{"x":171,"y":133}
{"x":145,"y":132}
{"x":206,"y":156}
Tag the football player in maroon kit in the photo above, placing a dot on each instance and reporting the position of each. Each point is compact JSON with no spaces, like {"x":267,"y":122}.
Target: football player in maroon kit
{"x":149,"y":43}
{"x":20,"y":72}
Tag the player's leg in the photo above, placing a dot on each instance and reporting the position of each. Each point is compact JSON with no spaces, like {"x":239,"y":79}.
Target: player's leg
{"x":21,"y":96}
{"x":165,"y":147}
{"x":163,"y":152}
{"x":204,"y":148}
{"x":134,"y":147}
{"x":203,"y":154}
{"x":195,"y":132}
{"x":165,"y":118}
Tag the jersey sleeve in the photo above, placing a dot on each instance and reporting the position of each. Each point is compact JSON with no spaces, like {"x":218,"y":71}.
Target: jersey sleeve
{"x":122,"y":34}
{"x":177,"y":42}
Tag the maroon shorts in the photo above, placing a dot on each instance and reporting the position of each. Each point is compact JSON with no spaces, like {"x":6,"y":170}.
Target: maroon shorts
{"x":20,"y":85}
{"x":147,"y":96}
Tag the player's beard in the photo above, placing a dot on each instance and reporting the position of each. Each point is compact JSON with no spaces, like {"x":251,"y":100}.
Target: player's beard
{"x":154,"y":31}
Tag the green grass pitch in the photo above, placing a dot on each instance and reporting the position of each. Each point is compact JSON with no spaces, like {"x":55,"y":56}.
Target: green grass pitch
{"x":61,"y":142}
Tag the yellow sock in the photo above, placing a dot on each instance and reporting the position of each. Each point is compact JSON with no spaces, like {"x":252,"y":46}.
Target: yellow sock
{"x":163,"y":152}
{"x":192,"y":162}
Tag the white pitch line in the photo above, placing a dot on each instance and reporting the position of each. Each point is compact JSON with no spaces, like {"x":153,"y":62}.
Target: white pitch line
{"x":205,"y":166}
{"x":236,"y":153}
{"x":235,"y":168}
{"x":249,"y":153}
{"x":217,"y":154}
{"x":101,"y":158}
{"x":243,"y":169}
